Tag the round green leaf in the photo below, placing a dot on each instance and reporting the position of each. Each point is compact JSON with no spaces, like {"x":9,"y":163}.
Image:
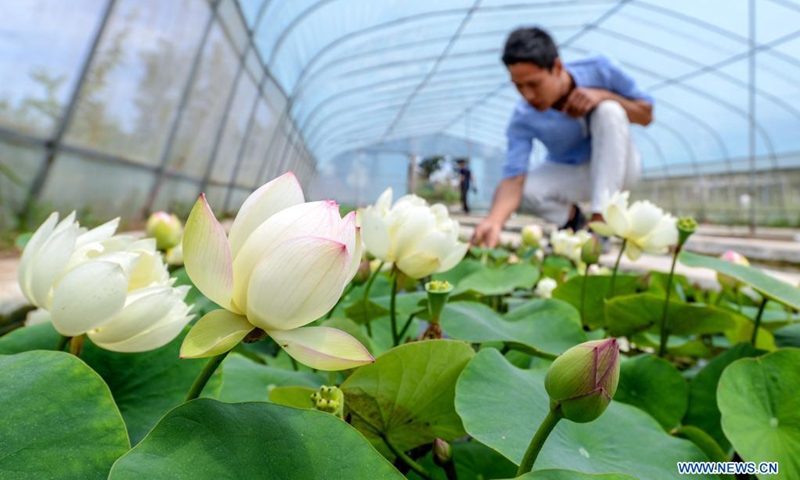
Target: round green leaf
{"x":297,"y":397}
{"x":36,"y":337}
{"x":206,"y":439}
{"x":553,"y":325}
{"x":246,"y":381}
{"x":362,"y":312}
{"x":499,"y":281}
{"x":703,"y":440}
{"x":554,"y":474}
{"x":597,"y":288}
{"x":630,"y":314}
{"x":407,"y":395}
{"x":654,"y":385}
{"x":703,"y":412}
{"x":474,"y":461}
{"x":742,"y":331}
{"x":59,"y":420}
{"x":788,"y":336}
{"x":758,"y":399}
{"x":382,"y":333}
{"x":766,"y":284}
{"x":145,"y":385}
{"x":465,"y":268}
{"x":405,"y":303}
{"x":502,"y":406}
{"x":549,"y":326}
{"x":351,"y":327}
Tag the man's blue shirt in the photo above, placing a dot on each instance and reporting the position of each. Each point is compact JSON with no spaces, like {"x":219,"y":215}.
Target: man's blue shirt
{"x":567,"y":139}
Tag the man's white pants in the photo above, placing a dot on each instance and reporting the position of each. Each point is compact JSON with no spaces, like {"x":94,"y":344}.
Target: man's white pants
{"x":552,"y":188}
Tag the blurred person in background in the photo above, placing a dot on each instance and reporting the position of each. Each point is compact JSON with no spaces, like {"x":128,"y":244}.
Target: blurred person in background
{"x":581,"y":111}
{"x":465,"y":181}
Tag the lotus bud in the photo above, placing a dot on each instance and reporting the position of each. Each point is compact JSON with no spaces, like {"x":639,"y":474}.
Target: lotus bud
{"x":545,"y":287}
{"x":442,"y":452}
{"x":539,"y":255}
{"x":728,"y":281}
{"x":582,"y":381}
{"x":531,"y":235}
{"x":165,"y":228}
{"x":686,"y":227}
{"x":591,"y":250}
{"x":329,"y":399}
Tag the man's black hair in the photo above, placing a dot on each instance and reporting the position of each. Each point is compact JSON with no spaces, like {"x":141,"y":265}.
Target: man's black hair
{"x":531,"y":45}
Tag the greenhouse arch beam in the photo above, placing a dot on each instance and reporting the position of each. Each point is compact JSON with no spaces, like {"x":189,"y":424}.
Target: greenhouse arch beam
{"x":687,"y":60}
{"x":655,"y":74}
{"x":434,"y":68}
{"x":400,"y":21}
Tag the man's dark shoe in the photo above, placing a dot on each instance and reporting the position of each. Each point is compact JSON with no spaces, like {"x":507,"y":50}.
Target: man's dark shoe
{"x":577,"y":222}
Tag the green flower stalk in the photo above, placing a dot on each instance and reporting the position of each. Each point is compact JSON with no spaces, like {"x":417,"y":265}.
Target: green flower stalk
{"x":591,"y":251}
{"x":590,"y":255}
{"x":686,"y":227}
{"x":330,"y":400}
{"x":438,"y":291}
{"x":581,"y":383}
{"x":363,"y":273}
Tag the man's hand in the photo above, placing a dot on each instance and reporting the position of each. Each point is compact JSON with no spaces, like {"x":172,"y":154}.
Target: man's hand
{"x":487,"y":233}
{"x":581,"y":101}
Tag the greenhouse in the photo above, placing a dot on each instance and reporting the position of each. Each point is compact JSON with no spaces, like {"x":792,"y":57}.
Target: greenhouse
{"x":350,"y":239}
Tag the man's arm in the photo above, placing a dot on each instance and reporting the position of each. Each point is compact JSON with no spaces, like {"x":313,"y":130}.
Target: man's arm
{"x":507,"y":198}
{"x":583,"y":100}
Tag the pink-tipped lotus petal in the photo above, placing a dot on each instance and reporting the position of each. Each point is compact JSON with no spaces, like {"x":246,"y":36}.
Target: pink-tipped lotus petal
{"x":323,"y":348}
{"x":207,"y":255}
{"x":297,"y":282}
{"x":315,"y":219}
{"x":280,"y":193}
{"x":350,"y":235}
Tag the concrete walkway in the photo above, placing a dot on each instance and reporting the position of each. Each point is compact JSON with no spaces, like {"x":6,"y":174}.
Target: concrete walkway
{"x":780,"y":252}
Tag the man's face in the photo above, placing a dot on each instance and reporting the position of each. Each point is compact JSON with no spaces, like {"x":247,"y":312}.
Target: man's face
{"x":538,"y":86}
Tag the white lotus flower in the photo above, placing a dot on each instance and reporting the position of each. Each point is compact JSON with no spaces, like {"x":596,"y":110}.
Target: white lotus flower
{"x":114,"y":288}
{"x":568,"y":244}
{"x":417,"y":238}
{"x":545,"y":287}
{"x":283,"y":265}
{"x":644,"y":226}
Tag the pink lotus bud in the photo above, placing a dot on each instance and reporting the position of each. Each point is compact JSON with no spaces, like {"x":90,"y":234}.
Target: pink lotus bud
{"x":582,"y":381}
{"x":727,"y":281}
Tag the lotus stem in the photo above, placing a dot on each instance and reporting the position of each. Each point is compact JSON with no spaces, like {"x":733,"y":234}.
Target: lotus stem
{"x":758,"y":321}
{"x":662,"y":349}
{"x":205,"y":375}
{"x":62,"y":342}
{"x":366,"y":296}
{"x":547,"y":426}
{"x":616,"y":267}
{"x":393,"y":309}
{"x":416,"y":467}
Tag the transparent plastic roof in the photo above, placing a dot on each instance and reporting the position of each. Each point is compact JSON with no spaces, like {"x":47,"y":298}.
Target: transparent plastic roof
{"x":368,"y":74}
